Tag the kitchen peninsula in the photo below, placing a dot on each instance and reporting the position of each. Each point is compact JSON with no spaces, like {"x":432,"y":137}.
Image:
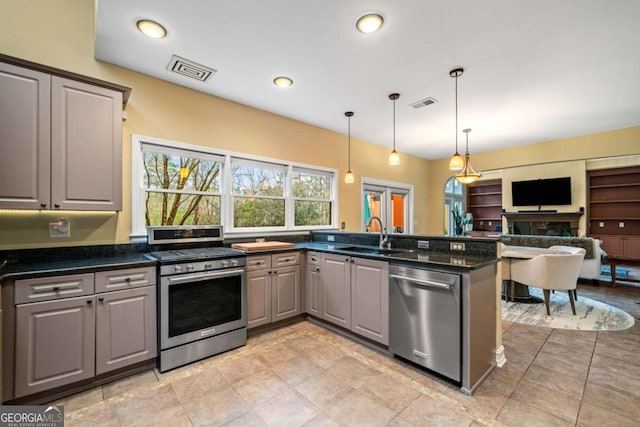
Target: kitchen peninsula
{"x":476,"y":266}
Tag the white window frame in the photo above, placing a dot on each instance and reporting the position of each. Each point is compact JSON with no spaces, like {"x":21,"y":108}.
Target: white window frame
{"x":388,"y":187}
{"x":138,"y":227}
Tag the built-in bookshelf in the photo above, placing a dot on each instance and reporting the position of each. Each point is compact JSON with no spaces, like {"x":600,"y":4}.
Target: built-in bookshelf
{"x":484,"y":202}
{"x":613,"y":200}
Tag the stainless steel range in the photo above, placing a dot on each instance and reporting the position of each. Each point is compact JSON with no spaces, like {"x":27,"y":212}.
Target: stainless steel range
{"x":202,"y":294}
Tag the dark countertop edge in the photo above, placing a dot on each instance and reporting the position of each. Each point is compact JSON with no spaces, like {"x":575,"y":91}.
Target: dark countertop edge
{"x":73,"y":266}
{"x":479,"y":261}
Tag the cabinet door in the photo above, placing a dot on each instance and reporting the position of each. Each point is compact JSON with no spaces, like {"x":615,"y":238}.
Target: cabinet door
{"x":612,"y":245}
{"x":313,"y":290}
{"x":125,"y":328}
{"x":54,"y":344}
{"x":285,"y":292}
{"x":86,"y":146}
{"x":336,"y":290}
{"x":25,"y":134}
{"x":370,"y":299}
{"x":258,"y":298}
{"x":632,"y":246}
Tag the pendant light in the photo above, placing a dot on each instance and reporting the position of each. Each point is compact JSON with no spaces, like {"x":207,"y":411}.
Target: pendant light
{"x":456,"y":162}
{"x":394,"y":158}
{"x":349,"y":178}
{"x":467,"y":175}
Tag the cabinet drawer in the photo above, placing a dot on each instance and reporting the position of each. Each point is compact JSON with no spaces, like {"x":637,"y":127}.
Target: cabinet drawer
{"x":258,"y":262}
{"x":284,"y":259}
{"x":115,"y":280}
{"x":314,"y":258}
{"x":54,"y":287}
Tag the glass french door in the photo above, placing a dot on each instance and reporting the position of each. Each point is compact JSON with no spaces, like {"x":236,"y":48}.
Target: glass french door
{"x":390,"y":204}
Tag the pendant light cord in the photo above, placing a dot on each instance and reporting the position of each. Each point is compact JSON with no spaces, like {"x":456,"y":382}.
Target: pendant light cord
{"x":349,"y":127}
{"x":456,"y":113}
{"x":394,"y":124}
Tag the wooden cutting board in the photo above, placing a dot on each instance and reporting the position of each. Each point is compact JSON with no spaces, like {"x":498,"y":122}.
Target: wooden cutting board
{"x":261,"y":246}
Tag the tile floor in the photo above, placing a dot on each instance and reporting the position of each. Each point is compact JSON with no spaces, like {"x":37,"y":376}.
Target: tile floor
{"x":305,"y":375}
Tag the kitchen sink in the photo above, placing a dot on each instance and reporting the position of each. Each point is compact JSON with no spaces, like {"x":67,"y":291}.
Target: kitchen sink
{"x":375,"y":251}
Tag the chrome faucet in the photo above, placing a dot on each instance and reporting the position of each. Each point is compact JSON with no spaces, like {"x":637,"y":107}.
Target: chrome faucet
{"x":384,"y":238}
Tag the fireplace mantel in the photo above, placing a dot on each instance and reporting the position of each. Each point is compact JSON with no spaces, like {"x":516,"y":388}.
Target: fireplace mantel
{"x":543,"y":223}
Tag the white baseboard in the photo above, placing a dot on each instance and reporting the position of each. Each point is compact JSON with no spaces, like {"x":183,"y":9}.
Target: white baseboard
{"x":501,"y":358}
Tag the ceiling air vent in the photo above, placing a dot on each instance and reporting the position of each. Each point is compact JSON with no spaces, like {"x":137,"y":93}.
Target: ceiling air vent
{"x":190,"y":69}
{"x":423,"y":103}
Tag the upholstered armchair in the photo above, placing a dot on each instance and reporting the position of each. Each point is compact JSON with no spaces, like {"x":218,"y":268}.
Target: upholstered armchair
{"x":558,"y":271}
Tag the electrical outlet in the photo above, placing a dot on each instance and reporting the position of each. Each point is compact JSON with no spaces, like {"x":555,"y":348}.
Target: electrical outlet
{"x":423,"y":244}
{"x":59,"y":229}
{"x":456,"y":246}
{"x":601,"y":224}
{"x":331,"y":238}
{"x":621,"y":224}
{"x":343,"y":225}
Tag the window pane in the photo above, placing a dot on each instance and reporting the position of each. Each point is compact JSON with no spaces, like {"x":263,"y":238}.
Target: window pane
{"x":257,"y":181}
{"x":256,"y":212}
{"x":312,"y":213}
{"x":173,"y":172}
{"x":182,"y":209}
{"x":311,"y":186}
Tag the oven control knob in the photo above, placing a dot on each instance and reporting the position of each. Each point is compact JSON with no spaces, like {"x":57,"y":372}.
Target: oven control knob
{"x":189,"y":267}
{"x":234,"y":262}
{"x":224,"y":263}
{"x":178,"y":268}
{"x":208,"y":266}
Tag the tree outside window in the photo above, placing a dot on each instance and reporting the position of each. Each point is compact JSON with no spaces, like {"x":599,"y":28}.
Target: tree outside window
{"x":258,"y":194}
{"x":181,"y":190}
{"x":311,"y":193}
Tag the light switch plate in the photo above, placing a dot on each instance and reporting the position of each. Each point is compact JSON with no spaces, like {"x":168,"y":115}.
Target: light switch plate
{"x":601,"y":224}
{"x":59,"y":229}
{"x":621,"y":224}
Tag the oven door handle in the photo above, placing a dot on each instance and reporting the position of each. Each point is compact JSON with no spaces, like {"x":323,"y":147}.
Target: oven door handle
{"x":203,"y":276}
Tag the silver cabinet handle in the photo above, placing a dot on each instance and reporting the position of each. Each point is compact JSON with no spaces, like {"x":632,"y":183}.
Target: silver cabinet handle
{"x":422,"y":282}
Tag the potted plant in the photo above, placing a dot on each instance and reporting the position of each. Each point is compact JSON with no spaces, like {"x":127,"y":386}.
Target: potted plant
{"x":459,"y":219}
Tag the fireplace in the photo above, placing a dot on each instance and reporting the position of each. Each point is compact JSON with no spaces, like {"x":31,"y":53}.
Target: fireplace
{"x":543,"y":223}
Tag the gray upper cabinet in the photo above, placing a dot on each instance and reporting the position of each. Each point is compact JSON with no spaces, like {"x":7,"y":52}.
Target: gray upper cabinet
{"x":61,"y":141}
{"x":25,"y":137}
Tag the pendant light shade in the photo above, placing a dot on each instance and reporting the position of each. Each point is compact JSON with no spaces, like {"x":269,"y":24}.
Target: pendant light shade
{"x":394,"y":157}
{"x":467,"y":175}
{"x":349,"y":178}
{"x":456,"y":162}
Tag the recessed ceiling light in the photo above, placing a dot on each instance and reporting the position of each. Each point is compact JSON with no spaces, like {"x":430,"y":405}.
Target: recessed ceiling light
{"x":151,"y":28}
{"x":282,"y":81}
{"x":369,"y":23}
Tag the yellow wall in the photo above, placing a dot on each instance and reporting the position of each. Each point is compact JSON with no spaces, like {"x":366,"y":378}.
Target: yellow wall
{"x":60,"y":33}
{"x":563,"y":157}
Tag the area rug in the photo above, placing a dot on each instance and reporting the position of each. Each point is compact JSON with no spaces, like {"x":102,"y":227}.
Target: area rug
{"x":590,"y":315}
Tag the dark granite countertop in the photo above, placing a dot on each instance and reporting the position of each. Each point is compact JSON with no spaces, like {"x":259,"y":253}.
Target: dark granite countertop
{"x":418,"y":258}
{"x":21,"y":270}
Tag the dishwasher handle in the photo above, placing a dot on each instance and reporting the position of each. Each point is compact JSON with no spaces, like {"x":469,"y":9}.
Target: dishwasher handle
{"x":423,"y":282}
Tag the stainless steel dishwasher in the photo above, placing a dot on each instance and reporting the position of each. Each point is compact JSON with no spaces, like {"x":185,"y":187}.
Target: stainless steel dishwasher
{"x":425,"y":319}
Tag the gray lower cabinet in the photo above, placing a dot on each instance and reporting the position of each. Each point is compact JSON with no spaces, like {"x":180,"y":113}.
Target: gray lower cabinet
{"x":273,"y":287}
{"x":63,"y":340}
{"x":313,"y":284}
{"x":125,"y":328}
{"x":370,"y":299}
{"x":336,"y":289}
{"x":350,"y":292}
{"x":54,"y":344}
{"x":45,"y":124}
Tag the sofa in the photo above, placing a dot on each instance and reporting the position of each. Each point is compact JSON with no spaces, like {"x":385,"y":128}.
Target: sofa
{"x":591,"y":264}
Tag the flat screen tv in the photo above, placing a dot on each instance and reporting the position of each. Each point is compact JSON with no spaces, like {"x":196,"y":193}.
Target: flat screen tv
{"x":542,"y":192}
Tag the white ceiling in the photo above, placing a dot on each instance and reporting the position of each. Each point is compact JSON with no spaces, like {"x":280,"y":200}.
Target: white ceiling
{"x":534,"y":70}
